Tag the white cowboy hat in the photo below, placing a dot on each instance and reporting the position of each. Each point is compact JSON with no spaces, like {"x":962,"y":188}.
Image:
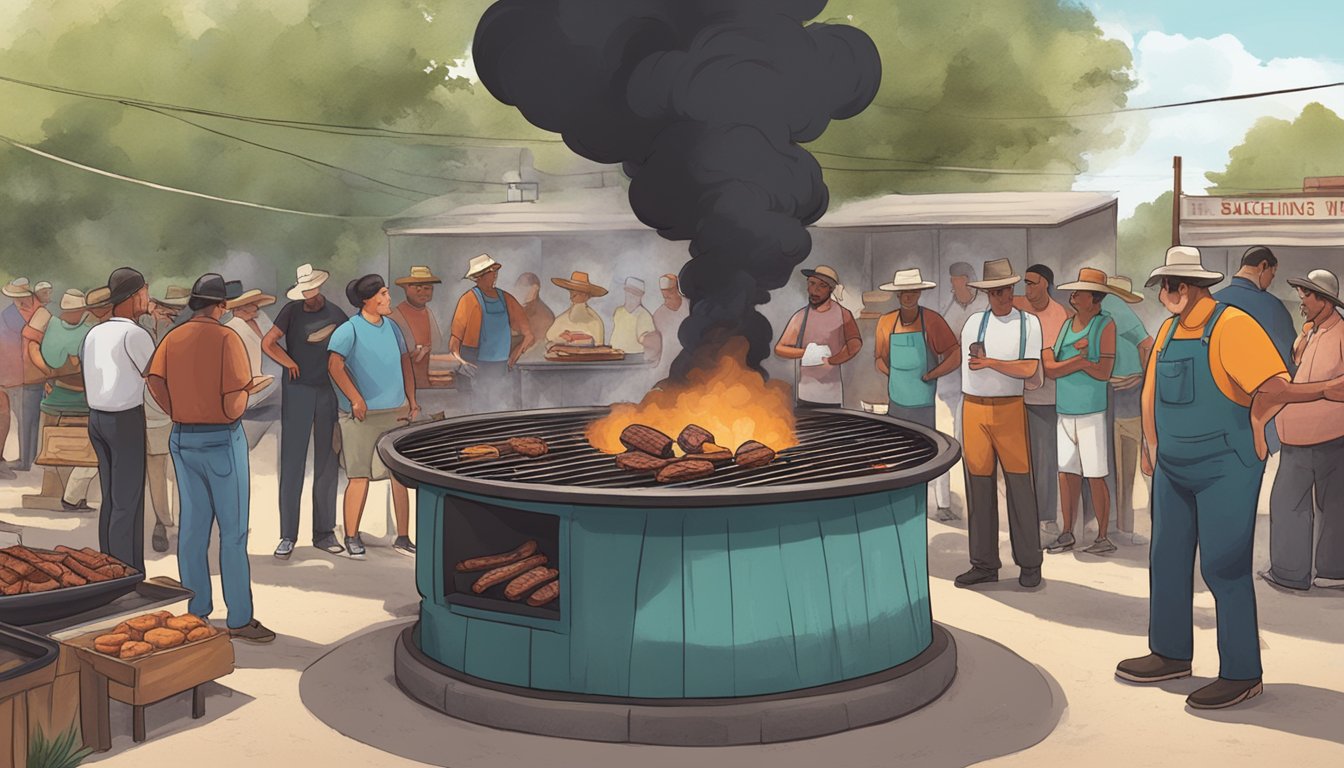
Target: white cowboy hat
{"x":252,"y":296}
{"x":479,"y":266}
{"x":41,"y":286}
{"x":997,"y":274}
{"x":18,"y":288}
{"x":1322,"y":282}
{"x":1124,"y":289}
{"x":1090,"y":279}
{"x":908,"y":280}
{"x":634,"y":285}
{"x":307,"y":279}
{"x":1183,"y":261}
{"x":71,"y":300}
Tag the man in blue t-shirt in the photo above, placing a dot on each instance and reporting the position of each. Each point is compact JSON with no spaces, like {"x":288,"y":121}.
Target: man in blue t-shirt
{"x":375,"y":389}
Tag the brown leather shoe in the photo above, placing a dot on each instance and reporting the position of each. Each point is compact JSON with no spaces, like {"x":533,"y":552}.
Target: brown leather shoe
{"x":1223,"y":693}
{"x":1152,"y":669}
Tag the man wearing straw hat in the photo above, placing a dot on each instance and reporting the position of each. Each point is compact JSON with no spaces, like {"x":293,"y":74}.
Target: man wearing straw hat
{"x":12,"y":353}
{"x":1214,"y":381}
{"x":1080,"y":363}
{"x":1132,"y":345}
{"x":26,"y":389}
{"x":822,"y":336}
{"x":417,"y":322}
{"x":1311,"y":464}
{"x":579,"y":324}
{"x":1001,"y":350}
{"x":252,"y":325}
{"x":915,"y":348}
{"x":307,"y":408}
{"x":481,"y":337}
{"x":61,"y":345}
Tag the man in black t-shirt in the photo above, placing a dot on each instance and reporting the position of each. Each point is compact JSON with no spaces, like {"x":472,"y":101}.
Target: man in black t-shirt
{"x":307,"y":407}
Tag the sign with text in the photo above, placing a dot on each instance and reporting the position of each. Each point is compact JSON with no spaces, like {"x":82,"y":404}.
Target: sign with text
{"x":1248,"y":209}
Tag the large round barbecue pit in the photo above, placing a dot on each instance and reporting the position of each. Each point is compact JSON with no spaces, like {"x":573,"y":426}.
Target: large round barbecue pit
{"x":564,"y":595}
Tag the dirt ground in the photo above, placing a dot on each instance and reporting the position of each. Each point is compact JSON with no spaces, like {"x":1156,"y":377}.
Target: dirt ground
{"x":1091,"y":612}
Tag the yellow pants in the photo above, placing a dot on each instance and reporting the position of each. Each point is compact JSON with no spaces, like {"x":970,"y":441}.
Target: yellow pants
{"x":995,"y":429}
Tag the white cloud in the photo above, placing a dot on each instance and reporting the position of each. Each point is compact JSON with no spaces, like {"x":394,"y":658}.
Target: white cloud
{"x":1173,"y":68}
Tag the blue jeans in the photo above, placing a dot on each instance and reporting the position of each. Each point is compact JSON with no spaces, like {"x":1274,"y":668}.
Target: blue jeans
{"x":213,"y":485}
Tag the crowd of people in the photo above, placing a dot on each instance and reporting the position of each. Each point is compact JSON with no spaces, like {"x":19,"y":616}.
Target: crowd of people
{"x":1068,"y":403}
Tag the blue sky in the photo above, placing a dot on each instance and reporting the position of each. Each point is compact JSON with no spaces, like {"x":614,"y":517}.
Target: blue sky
{"x":1270,"y":30}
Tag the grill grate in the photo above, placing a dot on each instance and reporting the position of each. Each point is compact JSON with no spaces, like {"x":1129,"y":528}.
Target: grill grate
{"x":832,"y":446}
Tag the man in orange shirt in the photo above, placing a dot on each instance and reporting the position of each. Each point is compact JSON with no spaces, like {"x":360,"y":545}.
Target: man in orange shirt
{"x":201,"y":376}
{"x":1213,"y":382}
{"x":481,"y":338}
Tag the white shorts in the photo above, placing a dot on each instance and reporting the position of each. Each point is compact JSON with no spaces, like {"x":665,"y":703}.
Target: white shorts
{"x":1084,"y":445}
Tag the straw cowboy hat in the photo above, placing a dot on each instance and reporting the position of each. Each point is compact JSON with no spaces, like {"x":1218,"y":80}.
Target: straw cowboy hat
{"x":71,"y":300}
{"x":1089,"y":279}
{"x":908,"y":280}
{"x":578,"y":281}
{"x":418,"y":276}
{"x":1183,"y":261}
{"x":174,"y":296}
{"x":998,"y":274}
{"x":824,"y":273}
{"x":1322,"y":282}
{"x":1123,"y":289}
{"x":479,"y":266}
{"x":97,"y":298}
{"x":306,"y":279}
{"x":252,"y":296}
{"x":18,"y":288}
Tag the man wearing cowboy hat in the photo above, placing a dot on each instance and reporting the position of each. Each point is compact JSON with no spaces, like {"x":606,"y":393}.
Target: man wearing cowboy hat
{"x":60,"y":351}
{"x":252,"y":325}
{"x":307,"y":408}
{"x":1311,"y":464}
{"x":667,"y":321}
{"x":579,"y":324}
{"x":631,"y":323}
{"x":1132,"y":345}
{"x":1214,"y":381}
{"x":115,"y":357}
{"x":201,"y":377}
{"x":164,"y":311}
{"x":12,"y":369}
{"x":1080,"y":363}
{"x":1001,"y":350}
{"x":481,"y":337}
{"x":24,"y":321}
{"x":822,"y":336}
{"x":418,"y":324}
{"x":914,"y":348}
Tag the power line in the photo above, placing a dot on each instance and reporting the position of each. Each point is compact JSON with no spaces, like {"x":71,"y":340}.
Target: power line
{"x":991,"y":171}
{"x":177,"y":190}
{"x":1126,"y":110}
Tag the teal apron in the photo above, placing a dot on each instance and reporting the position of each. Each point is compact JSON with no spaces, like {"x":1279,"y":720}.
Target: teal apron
{"x":1078,"y":394}
{"x":909,"y":396}
{"x":1205,"y":488}
{"x":495,"y":342}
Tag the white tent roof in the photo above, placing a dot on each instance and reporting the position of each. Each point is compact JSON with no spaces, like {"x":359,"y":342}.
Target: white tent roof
{"x":608,"y":208}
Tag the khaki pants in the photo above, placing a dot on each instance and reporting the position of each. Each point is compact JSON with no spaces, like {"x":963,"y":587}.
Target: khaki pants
{"x":1128,"y":443}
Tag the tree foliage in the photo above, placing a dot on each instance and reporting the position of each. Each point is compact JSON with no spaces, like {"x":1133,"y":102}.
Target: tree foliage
{"x":1278,"y":154}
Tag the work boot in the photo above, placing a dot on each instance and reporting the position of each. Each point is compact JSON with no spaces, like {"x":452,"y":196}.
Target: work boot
{"x":977,"y":576}
{"x":160,"y":538}
{"x":1152,"y":669}
{"x":1223,"y":693}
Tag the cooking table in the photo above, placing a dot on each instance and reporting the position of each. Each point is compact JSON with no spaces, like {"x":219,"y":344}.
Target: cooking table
{"x":556,"y":384}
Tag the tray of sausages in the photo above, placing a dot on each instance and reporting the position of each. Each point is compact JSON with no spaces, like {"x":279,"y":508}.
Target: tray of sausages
{"x":524,"y":574}
{"x":38,"y":585}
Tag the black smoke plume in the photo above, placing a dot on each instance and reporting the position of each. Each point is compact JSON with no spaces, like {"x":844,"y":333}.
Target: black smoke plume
{"x":704,"y":103}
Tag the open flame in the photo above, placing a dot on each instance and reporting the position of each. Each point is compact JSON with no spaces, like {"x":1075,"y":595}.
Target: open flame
{"x":731,"y":400}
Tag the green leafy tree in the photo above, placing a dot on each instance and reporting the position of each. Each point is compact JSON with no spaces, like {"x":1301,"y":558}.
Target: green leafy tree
{"x":1143,"y":238}
{"x":1278,"y":154}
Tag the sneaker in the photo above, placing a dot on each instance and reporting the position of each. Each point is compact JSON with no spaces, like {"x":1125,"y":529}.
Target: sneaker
{"x":354,"y":547}
{"x":160,"y":538}
{"x":1223,"y":693}
{"x":81,"y":506}
{"x":1100,"y":547}
{"x":1029,"y":578}
{"x":252,"y":632}
{"x":946,"y":515}
{"x":6,"y":473}
{"x":284,"y":549}
{"x":1152,"y":669}
{"x":329,"y":544}
{"x":1325,"y":583}
{"x":1050,"y":529}
{"x":977,"y":576}
{"x":1133,"y":539}
{"x":404,"y":545}
{"x":1270,"y":579}
{"x":1064,"y":543}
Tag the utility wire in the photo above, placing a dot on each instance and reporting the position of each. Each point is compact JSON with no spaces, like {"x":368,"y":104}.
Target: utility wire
{"x":1126,"y":110}
{"x":177,"y":190}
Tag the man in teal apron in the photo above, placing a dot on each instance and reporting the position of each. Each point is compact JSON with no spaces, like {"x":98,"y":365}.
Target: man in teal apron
{"x":914,"y":348}
{"x":484,"y":322}
{"x":1214,"y":381}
